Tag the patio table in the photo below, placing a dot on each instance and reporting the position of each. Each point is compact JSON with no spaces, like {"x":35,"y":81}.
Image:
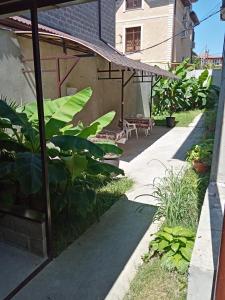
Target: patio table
{"x":141,"y":122}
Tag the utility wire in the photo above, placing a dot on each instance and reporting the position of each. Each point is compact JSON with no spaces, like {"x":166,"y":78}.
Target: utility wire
{"x":214,"y":7}
{"x":191,"y":28}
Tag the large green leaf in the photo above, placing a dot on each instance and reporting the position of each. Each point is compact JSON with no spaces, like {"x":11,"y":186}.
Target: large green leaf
{"x":97,"y":126}
{"x":96,"y":167}
{"x":57,"y":172}
{"x":202,"y":78}
{"x":9,"y":144}
{"x":186,"y":252}
{"x":72,"y":106}
{"x":80,"y":200}
{"x":183,"y":232}
{"x":19,"y":119}
{"x":28,"y":169}
{"x":76,"y":164}
{"x":175,"y":246}
{"x":104,"y":120}
{"x":89,"y":131}
{"x":65,"y":114}
{"x":164,"y":235}
{"x":162,"y":245}
{"x":9,"y":113}
{"x":110,"y":148}
{"x":5,"y":123}
{"x":77,"y":144}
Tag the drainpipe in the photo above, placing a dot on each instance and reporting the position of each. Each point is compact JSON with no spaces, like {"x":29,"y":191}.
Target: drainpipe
{"x":100,"y":28}
{"x":100,"y":22}
{"x":174,"y":27}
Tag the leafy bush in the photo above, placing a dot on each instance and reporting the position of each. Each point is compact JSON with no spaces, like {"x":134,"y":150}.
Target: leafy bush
{"x":210,"y":120}
{"x":201,"y":152}
{"x":187,"y":93}
{"x":174,"y":246}
{"x":177,"y":196}
{"x":71,"y":155}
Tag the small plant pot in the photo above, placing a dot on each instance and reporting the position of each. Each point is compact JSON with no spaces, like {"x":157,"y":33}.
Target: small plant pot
{"x":200,"y":167}
{"x":113,"y":160}
{"x":170,"y":122}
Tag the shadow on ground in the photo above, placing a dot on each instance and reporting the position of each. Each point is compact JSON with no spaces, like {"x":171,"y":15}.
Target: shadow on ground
{"x":134,"y":147}
{"x":88,"y":269}
{"x":195,"y":136}
{"x":16,"y":264}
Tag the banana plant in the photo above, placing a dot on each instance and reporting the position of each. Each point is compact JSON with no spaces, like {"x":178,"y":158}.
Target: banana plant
{"x":70,"y":153}
{"x":186,"y":93}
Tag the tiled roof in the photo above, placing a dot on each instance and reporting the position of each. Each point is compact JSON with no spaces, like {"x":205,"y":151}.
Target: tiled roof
{"x":102,"y":49}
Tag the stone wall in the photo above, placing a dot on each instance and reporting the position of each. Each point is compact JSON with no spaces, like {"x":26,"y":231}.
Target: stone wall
{"x":83,"y":20}
{"x":23,"y":233}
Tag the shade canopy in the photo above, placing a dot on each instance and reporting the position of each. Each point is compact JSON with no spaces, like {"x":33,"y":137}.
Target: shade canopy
{"x":100,"y":48}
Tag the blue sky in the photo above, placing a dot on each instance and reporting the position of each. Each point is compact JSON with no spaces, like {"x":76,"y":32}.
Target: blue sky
{"x":210,"y":33}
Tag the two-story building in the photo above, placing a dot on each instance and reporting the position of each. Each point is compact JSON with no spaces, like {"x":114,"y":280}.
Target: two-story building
{"x":156,"y":32}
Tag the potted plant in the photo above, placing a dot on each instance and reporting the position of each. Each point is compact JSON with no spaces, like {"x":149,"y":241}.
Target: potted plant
{"x":185,"y":93}
{"x":169,"y":94}
{"x":200,"y":156}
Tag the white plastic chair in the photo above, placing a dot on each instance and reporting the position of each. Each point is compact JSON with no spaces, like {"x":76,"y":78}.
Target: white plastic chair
{"x":150,"y":127}
{"x":129,"y":127}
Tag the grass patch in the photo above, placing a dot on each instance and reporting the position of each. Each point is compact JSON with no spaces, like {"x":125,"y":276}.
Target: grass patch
{"x":183,"y":118}
{"x":177,"y":194}
{"x":108,"y":192}
{"x":155,"y":283}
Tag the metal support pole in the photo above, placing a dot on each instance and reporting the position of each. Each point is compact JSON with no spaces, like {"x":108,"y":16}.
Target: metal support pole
{"x":151,"y":98}
{"x":40,"y":107}
{"x":58,"y":77}
{"x":110,"y":70}
{"x":122,"y":98}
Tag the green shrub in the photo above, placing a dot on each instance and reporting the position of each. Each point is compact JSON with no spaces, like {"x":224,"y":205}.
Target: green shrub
{"x":174,"y":246}
{"x":210,"y":120}
{"x":186,"y":93}
{"x":177,"y":194}
{"x":201,"y":152}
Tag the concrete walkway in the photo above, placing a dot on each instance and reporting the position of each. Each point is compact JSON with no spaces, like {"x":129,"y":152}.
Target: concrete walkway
{"x":15,"y":265}
{"x":103,"y":261}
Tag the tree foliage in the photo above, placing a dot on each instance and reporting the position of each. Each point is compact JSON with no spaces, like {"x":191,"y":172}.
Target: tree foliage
{"x":186,"y":93}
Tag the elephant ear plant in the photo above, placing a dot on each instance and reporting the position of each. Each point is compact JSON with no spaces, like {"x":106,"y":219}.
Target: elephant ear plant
{"x":71,"y":155}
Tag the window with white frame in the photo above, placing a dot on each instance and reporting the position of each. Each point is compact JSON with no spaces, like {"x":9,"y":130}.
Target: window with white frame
{"x":133,"y":4}
{"x":133,"y":39}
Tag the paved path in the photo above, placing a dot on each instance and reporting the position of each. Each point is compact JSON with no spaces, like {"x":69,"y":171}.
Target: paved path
{"x":167,"y":151}
{"x":101,"y":263}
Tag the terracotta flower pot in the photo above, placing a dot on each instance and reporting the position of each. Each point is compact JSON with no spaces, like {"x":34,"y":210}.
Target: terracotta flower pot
{"x":200,"y":167}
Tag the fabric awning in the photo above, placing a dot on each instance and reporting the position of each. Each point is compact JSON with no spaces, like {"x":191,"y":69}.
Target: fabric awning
{"x":100,"y":48}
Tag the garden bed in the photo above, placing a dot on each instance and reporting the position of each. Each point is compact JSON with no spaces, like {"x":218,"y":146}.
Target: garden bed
{"x":108,"y":192}
{"x":180,"y":195}
{"x":154,"y":282}
{"x":183,"y":119}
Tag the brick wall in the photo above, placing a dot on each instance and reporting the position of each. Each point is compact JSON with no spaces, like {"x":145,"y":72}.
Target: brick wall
{"x":82,"y":20}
